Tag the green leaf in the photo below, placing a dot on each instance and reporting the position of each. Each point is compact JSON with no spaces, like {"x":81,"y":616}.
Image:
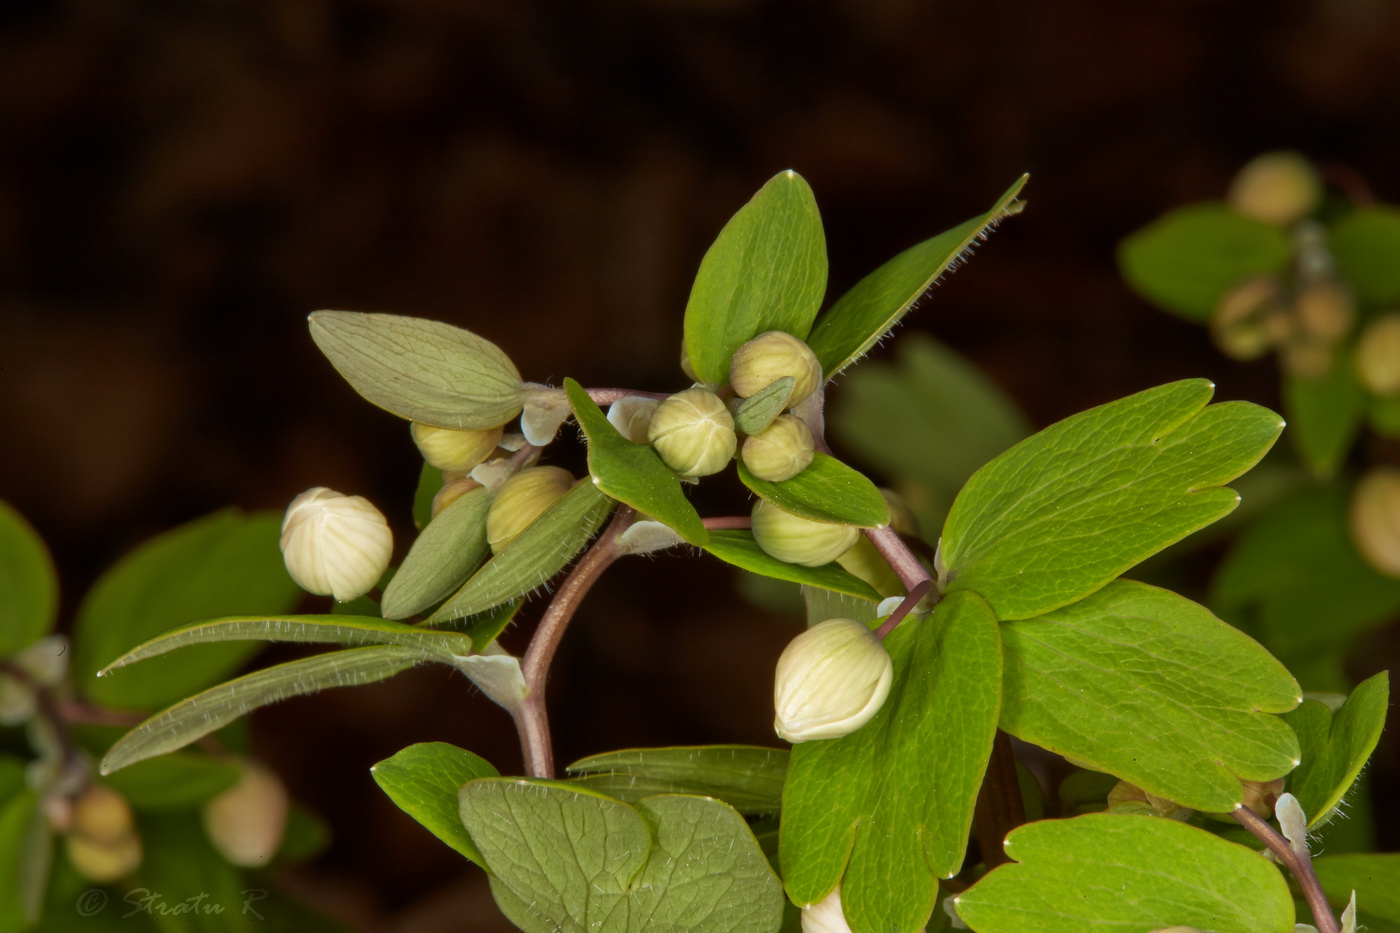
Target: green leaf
{"x":28,"y":584}
{"x":563,"y":860}
{"x":1107,"y":871}
{"x":895,"y":797}
{"x":1188,"y":259}
{"x":633,"y":473}
{"x":446,"y":551}
{"x":1324,"y":415}
{"x":421,"y":370}
{"x":186,"y":879}
{"x":1383,"y":414}
{"x":748,"y":778}
{"x":826,"y":491}
{"x":191,"y":719}
{"x":740,"y":549}
{"x":1149,"y":686}
{"x":1365,"y":244}
{"x":26,"y":851}
{"x":308,"y":629}
{"x":1376,"y":881}
{"x":1335,"y":746}
{"x":225,"y":563}
{"x":179,"y":781}
{"x":758,"y":411}
{"x":874,"y":306}
{"x":429,"y":482}
{"x":536,"y":555}
{"x":766,"y":271}
{"x":424,"y":779}
{"x":1069,"y":509}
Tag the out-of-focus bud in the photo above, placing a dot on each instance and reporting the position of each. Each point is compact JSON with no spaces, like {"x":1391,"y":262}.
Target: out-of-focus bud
{"x":1258,"y":794}
{"x":1240,"y":324}
{"x":46,"y":660}
{"x":772,"y":356}
{"x":335,"y":545}
{"x":781,"y":451}
{"x":799,"y":540}
{"x":1375,"y":519}
{"x":522,"y":499}
{"x":832,"y":679}
{"x":631,"y":415}
{"x":1129,"y":798}
{"x":1277,"y":188}
{"x":1325,"y":310}
{"x":102,"y":841}
{"x":455,"y":451}
{"x":1378,"y":355}
{"x":246,"y":822}
{"x":1308,"y":358}
{"x":451,"y":492}
{"x":17,"y":701}
{"x":693,"y":432}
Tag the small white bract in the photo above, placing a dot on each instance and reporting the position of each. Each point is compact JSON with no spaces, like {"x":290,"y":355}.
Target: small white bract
{"x":335,"y":545}
{"x":832,"y":679}
{"x":826,"y":916}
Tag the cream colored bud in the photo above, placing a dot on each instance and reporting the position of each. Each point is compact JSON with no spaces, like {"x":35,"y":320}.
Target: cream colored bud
{"x":1325,"y":310}
{"x":451,"y":492}
{"x":1375,"y":519}
{"x":46,"y":660}
{"x":631,"y":415}
{"x":799,"y":540}
{"x":18,"y":703}
{"x":1378,"y":355}
{"x":1240,"y":324}
{"x":1277,"y":188}
{"x":771,"y":356}
{"x":1125,"y":796}
{"x":781,"y":451}
{"x":103,"y":843}
{"x":832,"y":679}
{"x":1257,"y":796}
{"x":693,"y":433}
{"x":335,"y":545}
{"x":1308,"y":358}
{"x":246,"y":822}
{"x":522,"y":499}
{"x":452,"y":450}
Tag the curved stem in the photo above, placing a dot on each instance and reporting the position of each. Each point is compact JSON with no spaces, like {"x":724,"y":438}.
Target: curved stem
{"x":532,"y":719}
{"x":1299,"y":863}
{"x":906,"y":566}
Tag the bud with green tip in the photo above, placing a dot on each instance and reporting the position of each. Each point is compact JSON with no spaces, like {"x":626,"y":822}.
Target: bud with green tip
{"x":693,"y":433}
{"x":335,"y":545}
{"x":832,"y":679}
{"x":522,"y":499}
{"x":246,"y":822}
{"x":771,"y":356}
{"x":799,"y":540}
{"x":1378,"y":355}
{"x":781,"y":451}
{"x":453,"y":450}
{"x":1277,"y":188}
{"x":1375,"y":519}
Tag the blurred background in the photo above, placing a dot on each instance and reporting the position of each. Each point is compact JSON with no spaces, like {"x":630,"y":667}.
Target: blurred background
{"x":182,"y":182}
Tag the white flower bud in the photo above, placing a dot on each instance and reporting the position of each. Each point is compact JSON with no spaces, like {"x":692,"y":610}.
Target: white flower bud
{"x":771,"y":356}
{"x":452,"y":450}
{"x":799,"y":540}
{"x":1277,"y":188}
{"x":781,"y":451}
{"x":1375,"y":519}
{"x":335,"y":545}
{"x":832,"y":679}
{"x":522,"y":499}
{"x":631,"y":415}
{"x":826,"y":916}
{"x":693,"y":433}
{"x":103,"y":844}
{"x":246,"y":822}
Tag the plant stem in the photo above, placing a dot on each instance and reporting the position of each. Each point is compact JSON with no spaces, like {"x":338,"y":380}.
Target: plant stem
{"x":999,"y":806}
{"x":603,"y":397}
{"x":1299,"y":863}
{"x":532,"y":719}
{"x":906,"y":566}
{"x":728,"y":523}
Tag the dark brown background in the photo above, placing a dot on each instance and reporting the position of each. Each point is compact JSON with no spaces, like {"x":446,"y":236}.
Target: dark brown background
{"x":182,"y":181}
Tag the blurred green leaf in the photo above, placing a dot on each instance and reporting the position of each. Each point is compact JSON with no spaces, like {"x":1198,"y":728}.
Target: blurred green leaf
{"x":178,"y":781}
{"x":886,"y":810}
{"x":444,"y":554}
{"x":766,"y":271}
{"x":181,"y":873}
{"x":225,"y":563}
{"x":1383,"y":413}
{"x":424,"y":779}
{"x":26,"y":851}
{"x":1188,"y":259}
{"x":429,"y":482}
{"x":633,"y":473}
{"x":1324,"y":416}
{"x":421,"y":370}
{"x":28,"y":584}
{"x":826,"y":491}
{"x":1365,"y":244}
{"x":740,"y":549}
{"x":305,"y":837}
{"x":1376,"y":881}
{"x":1149,"y":686}
{"x":1335,"y":746}
{"x":747,"y":777}
{"x":869,"y":310}
{"x":1069,"y":509}
{"x":1109,"y":871}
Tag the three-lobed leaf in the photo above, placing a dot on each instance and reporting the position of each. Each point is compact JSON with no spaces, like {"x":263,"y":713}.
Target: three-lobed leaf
{"x":445,"y":552}
{"x":748,"y":778}
{"x":1335,"y":746}
{"x":826,"y":491}
{"x":424,"y":780}
{"x":28,"y":584}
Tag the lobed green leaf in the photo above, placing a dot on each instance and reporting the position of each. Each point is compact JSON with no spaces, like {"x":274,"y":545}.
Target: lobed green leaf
{"x":826,"y":491}
{"x":444,"y":554}
{"x":747,"y":777}
{"x":424,"y":780}
{"x":740,"y":549}
{"x":1335,"y":746}
{"x":28,"y":584}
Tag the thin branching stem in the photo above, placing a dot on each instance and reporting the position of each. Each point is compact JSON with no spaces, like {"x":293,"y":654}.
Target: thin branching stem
{"x":906,"y":566}
{"x":728,"y":523}
{"x":1299,"y":863}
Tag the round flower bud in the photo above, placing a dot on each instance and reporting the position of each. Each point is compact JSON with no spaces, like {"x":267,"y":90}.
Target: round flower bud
{"x":832,"y":679}
{"x":1378,"y":355}
{"x":451,"y":492}
{"x":1125,"y":797}
{"x":1375,"y":519}
{"x":771,"y":356}
{"x":1239,"y":325}
{"x":799,"y":540}
{"x":1308,"y":358}
{"x":455,"y":451}
{"x":102,"y":843}
{"x":1277,"y":188}
{"x":335,"y":545}
{"x":693,"y":433}
{"x":1325,"y":310}
{"x":522,"y":499}
{"x":246,"y":822}
{"x":780,"y":451}
{"x":631,"y":415}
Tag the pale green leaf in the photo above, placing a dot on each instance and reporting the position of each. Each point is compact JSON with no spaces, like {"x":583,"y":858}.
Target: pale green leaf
{"x":877,"y":302}
{"x":822,"y":604}
{"x":564,"y":860}
{"x":890,"y":805}
{"x":28,"y":584}
{"x":424,"y":779}
{"x":740,"y":549}
{"x":1106,"y":871}
{"x":1335,"y":746}
{"x":26,"y":851}
{"x":445,"y":552}
{"x":429,"y":482}
{"x":826,"y":491}
{"x":1365,"y":243}
{"x":766,"y":271}
{"x":1069,"y":509}
{"x":421,"y":370}
{"x":748,"y":778}
{"x":1324,"y":415}
{"x":1376,"y":881}
{"x":757,"y":412}
{"x":178,"y":781}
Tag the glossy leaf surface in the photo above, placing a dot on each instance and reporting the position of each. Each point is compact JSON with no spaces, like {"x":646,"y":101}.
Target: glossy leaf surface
{"x":1335,"y":746}
{"x":424,"y":779}
{"x":826,"y":491}
{"x":28,"y":584}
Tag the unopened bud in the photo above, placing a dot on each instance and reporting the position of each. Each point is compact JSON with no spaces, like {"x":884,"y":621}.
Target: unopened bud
{"x":46,"y":660}
{"x":832,"y":679}
{"x":799,"y":540}
{"x":246,"y":822}
{"x":631,"y":415}
{"x":335,"y":545}
{"x":781,"y":451}
{"x":1240,"y":324}
{"x":771,"y":356}
{"x":17,"y":701}
{"x":452,"y":450}
{"x":1258,"y":796}
{"x":1277,"y":188}
{"x":1378,"y":355}
{"x":102,"y":843}
{"x":451,"y":492}
{"x":1325,"y":310}
{"x":522,"y":499}
{"x":1307,"y":358}
{"x":1125,"y":797}
{"x":693,"y":433}
{"x":1375,"y":519}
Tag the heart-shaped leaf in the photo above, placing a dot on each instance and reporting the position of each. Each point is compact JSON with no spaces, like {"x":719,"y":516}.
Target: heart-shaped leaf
{"x":424,"y":780}
{"x":826,"y":491}
{"x":1335,"y":746}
